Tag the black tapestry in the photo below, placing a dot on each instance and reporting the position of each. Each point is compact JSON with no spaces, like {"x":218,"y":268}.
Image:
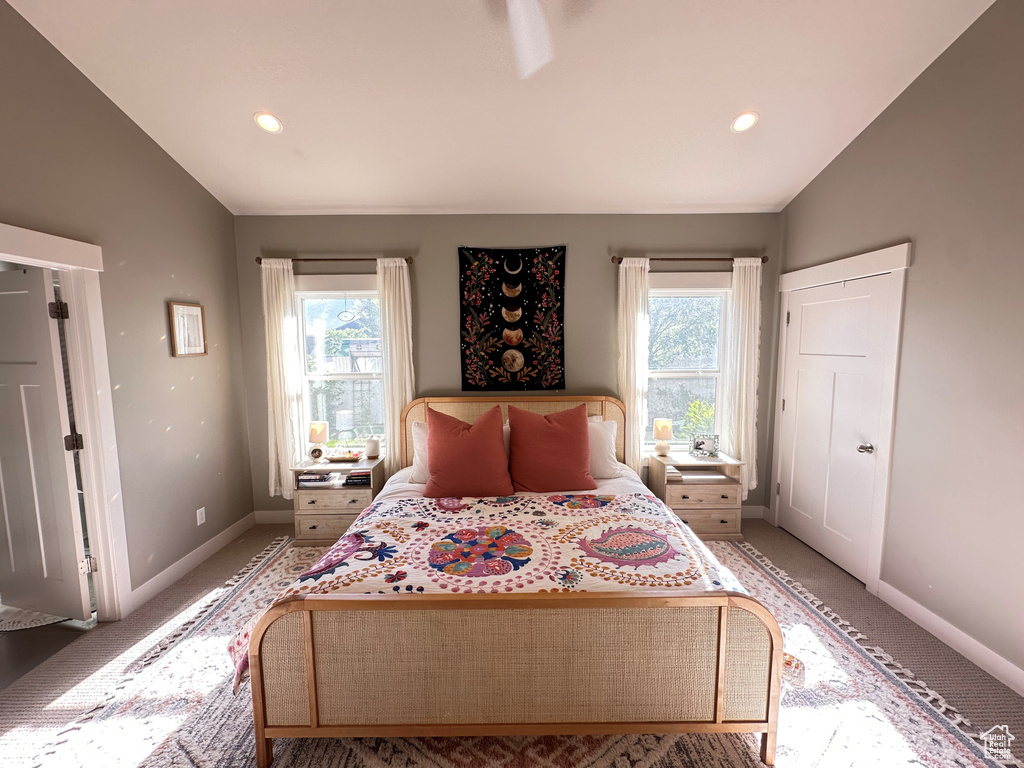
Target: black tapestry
{"x":512,"y":314}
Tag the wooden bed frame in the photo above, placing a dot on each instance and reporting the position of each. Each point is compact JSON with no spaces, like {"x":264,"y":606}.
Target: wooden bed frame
{"x":466,"y":665}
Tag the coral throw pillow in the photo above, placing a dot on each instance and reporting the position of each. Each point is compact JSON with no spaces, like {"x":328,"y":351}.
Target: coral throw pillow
{"x":466,"y":459}
{"x":550,"y":453}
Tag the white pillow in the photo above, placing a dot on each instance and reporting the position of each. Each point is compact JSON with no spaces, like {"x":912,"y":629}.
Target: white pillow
{"x":420,"y":457}
{"x":603,"y":463}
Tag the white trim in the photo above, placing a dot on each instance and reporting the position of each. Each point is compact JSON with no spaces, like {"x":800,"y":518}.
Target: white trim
{"x":865,"y":265}
{"x":193,"y":559}
{"x":895,"y":261}
{"x":37,"y":249}
{"x":753,"y":512}
{"x":690,"y":281}
{"x":330,"y":283}
{"x":274,"y":516}
{"x":1001,"y":668}
{"x":94,"y":416}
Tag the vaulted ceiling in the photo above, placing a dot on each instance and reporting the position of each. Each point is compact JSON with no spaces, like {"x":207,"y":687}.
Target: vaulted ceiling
{"x":415,"y":107}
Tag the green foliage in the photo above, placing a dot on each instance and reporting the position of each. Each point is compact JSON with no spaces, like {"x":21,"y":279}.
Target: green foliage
{"x":699,"y":419}
{"x":684,"y":332}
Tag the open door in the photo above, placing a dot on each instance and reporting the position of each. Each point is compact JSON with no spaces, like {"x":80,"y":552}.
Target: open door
{"x":41,"y":543}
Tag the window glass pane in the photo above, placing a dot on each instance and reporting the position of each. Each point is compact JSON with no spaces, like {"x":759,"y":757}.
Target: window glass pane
{"x":688,"y":400}
{"x":684,"y":332}
{"x":354,"y":409}
{"x":342,"y":335}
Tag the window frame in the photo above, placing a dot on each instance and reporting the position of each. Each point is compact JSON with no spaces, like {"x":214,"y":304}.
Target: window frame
{"x":684,"y":285}
{"x":337,"y":287}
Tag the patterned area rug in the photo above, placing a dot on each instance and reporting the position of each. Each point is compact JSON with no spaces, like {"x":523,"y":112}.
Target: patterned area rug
{"x":12,"y":619}
{"x":174,"y":706}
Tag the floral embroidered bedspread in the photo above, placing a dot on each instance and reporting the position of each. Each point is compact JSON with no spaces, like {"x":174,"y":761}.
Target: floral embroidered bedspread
{"x":528,"y":543}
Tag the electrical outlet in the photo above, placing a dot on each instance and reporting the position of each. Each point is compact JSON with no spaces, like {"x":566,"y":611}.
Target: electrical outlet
{"x":200,"y":515}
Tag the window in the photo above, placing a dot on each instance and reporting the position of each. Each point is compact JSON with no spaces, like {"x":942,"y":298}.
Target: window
{"x":685,"y":353}
{"x":343,"y":371}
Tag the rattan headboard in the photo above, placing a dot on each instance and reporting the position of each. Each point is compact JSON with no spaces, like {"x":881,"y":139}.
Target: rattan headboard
{"x":469,"y":408}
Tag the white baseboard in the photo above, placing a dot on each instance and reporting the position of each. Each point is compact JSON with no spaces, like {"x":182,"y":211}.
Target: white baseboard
{"x":274,"y":516}
{"x":171,"y":574}
{"x":1003,"y":670}
{"x":753,"y":511}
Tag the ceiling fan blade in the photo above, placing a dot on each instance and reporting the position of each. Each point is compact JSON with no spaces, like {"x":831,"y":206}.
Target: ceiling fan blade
{"x":530,"y":36}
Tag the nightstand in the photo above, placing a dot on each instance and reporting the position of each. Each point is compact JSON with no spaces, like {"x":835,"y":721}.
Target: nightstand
{"x":703,"y":491}
{"x":322,"y":515}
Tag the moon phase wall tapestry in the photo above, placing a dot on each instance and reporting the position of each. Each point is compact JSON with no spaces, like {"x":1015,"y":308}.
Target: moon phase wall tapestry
{"x":512,"y":318}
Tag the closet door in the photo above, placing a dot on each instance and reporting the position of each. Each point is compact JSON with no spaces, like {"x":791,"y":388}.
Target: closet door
{"x":835,"y":422}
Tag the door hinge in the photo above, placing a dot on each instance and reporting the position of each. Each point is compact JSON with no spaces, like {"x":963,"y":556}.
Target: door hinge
{"x":783,"y":403}
{"x":787,"y":318}
{"x":74,"y":442}
{"x":778,"y":488}
{"x":88,"y":565}
{"x":58,"y":310}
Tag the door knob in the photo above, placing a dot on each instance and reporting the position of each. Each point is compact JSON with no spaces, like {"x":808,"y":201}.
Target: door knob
{"x":868,"y":448}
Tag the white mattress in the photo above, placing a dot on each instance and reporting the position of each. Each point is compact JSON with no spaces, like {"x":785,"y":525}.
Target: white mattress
{"x":399,"y":487}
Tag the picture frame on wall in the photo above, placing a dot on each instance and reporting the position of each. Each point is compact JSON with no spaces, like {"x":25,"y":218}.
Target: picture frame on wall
{"x":188,"y":329}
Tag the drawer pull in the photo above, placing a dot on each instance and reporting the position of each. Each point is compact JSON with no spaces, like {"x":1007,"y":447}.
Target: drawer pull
{"x":311,"y":501}
{"x":686,"y":521}
{"x":353,"y":501}
{"x":313,"y":527}
{"x":725,"y":496}
{"x":724,"y":522}
{"x":686,"y":497}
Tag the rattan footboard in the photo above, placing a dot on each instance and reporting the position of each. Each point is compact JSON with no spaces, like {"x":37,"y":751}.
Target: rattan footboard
{"x":431,"y":665}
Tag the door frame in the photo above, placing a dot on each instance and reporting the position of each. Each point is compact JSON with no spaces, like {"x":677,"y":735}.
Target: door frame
{"x":895,"y":260}
{"x":80,"y":265}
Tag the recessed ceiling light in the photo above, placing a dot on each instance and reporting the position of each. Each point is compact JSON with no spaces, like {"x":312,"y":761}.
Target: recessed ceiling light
{"x":268,"y":122}
{"x":744,"y":122}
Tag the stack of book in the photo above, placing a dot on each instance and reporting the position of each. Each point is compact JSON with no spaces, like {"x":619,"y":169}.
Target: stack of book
{"x":358,"y":477}
{"x":317,"y":479}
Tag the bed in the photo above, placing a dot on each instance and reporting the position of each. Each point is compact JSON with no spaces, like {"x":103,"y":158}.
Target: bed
{"x":511,"y":657}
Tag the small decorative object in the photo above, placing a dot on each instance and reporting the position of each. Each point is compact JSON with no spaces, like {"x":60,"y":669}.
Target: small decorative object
{"x":705,"y":445}
{"x":372,"y":447}
{"x":662,"y":433}
{"x":188,"y":329}
{"x":347,"y":456}
{"x":318,"y":436}
{"x":512,"y":334}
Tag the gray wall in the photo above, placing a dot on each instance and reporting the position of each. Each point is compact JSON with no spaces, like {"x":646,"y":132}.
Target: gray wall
{"x":944,"y":166}
{"x":590,"y":295}
{"x":72,"y":164}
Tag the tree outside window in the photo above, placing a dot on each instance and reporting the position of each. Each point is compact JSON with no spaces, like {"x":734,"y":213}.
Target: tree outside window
{"x":684,"y":362}
{"x":344,"y":374}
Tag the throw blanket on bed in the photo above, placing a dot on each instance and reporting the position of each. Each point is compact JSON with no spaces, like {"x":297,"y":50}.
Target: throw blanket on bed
{"x":530,"y":543}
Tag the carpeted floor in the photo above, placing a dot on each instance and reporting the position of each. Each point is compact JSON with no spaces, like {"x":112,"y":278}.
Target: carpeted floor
{"x":977,"y":695}
{"x":78,"y":678}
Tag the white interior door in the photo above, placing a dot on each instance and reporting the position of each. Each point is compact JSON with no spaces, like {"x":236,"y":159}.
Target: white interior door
{"x":835,"y":422}
{"x":41,"y":542}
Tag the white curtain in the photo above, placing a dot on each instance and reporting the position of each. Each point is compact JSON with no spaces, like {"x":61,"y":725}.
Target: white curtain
{"x":284,"y":373}
{"x":396,"y":330}
{"x":634,"y":332}
{"x":743,"y":349}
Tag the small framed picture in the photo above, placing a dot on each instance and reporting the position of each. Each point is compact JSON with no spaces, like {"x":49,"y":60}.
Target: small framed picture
{"x":188,"y":329}
{"x":705,"y":445}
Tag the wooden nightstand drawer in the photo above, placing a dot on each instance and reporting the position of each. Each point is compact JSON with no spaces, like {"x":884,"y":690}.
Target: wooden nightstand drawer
{"x":322,"y":526}
{"x":711,"y":521}
{"x":342,"y":499}
{"x":697,"y":496}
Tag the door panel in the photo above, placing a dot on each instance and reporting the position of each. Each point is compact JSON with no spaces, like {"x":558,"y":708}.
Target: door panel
{"x":832,"y":385}
{"x":41,"y":544}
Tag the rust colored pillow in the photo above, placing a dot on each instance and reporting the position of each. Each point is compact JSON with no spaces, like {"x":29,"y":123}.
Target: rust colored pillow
{"x":466,"y":459}
{"x":550,"y":453}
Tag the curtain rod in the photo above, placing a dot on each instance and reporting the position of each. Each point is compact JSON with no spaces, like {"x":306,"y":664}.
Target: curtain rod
{"x":618,"y":259}
{"x":408,"y":259}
